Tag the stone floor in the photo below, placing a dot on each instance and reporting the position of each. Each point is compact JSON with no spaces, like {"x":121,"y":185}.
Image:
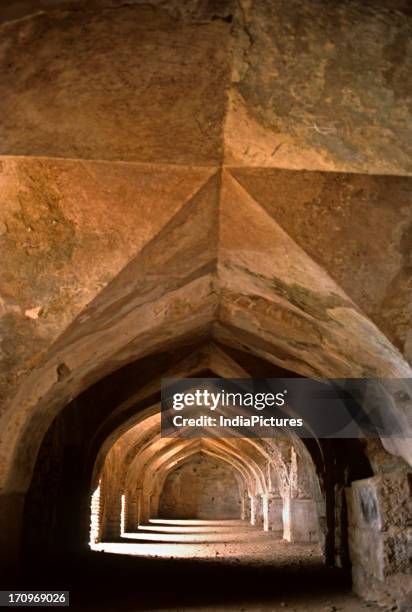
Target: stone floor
{"x":222,"y":565}
{"x":226,"y":542}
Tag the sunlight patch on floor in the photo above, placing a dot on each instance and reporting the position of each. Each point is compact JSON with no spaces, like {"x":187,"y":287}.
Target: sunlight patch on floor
{"x":228,"y":540}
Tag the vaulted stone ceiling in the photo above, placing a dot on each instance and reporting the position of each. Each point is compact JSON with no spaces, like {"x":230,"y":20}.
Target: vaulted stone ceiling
{"x":287,"y":84}
{"x":220,"y":170}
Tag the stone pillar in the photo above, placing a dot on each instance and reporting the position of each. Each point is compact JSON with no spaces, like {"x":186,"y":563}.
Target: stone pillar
{"x":245,"y":514}
{"x":380,"y":536}
{"x":258,"y":511}
{"x":300,"y":520}
{"x":252,"y":510}
{"x":145,"y":509}
{"x":265,"y":512}
{"x":111,"y":529}
{"x":154,"y":505}
{"x":275,"y":514}
{"x":341,"y":528}
{"x":138,"y":507}
{"x":95,"y":516}
{"x":123,"y":513}
{"x":131,"y":516}
{"x":287,"y":523}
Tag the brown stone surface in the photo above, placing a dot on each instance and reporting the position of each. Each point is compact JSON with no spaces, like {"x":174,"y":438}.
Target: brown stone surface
{"x":333,"y":217}
{"x":380,"y":522}
{"x":321,"y":88}
{"x":297,"y":87}
{"x":215,"y":264}
{"x":118,"y":83}
{"x":66,"y":230}
{"x":200,"y":489}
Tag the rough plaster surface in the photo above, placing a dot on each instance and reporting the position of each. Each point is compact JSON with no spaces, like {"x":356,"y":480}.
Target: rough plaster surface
{"x":200,"y":489}
{"x":142,"y":86}
{"x":323,"y":89}
{"x":292,"y":85}
{"x":380,"y":523}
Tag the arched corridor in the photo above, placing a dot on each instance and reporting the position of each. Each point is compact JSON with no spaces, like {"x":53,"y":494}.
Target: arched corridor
{"x":109,"y":491}
{"x":203,"y":189}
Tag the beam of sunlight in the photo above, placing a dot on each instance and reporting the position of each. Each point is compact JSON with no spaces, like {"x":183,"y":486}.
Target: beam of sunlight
{"x":95,"y":515}
{"x":203,"y":540}
{"x":189,"y":522}
{"x":198,"y":529}
{"x":156,"y":550}
{"x":178,"y":537}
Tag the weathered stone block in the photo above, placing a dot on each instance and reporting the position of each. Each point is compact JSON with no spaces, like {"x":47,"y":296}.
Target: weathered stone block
{"x":257,"y":511}
{"x":275,"y":514}
{"x":380,"y":535}
{"x":300,"y":520}
{"x":381,"y":501}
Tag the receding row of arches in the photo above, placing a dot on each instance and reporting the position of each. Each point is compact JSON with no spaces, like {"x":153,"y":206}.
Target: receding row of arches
{"x":104,"y":469}
{"x":267,"y":482}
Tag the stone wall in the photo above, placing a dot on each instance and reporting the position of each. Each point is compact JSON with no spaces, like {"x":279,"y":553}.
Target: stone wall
{"x":200,"y":489}
{"x":300,"y":519}
{"x":380,"y":537}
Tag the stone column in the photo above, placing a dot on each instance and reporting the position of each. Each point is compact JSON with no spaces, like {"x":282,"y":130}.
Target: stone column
{"x":275,"y":514}
{"x":265,"y":512}
{"x":138,"y":507}
{"x":252,"y":509}
{"x":245,"y":514}
{"x":111,"y":529}
{"x":95,"y":516}
{"x":256,"y":510}
{"x":131,"y":516}
{"x":145,"y":509}
{"x":123,"y":513}
{"x":300,"y":520}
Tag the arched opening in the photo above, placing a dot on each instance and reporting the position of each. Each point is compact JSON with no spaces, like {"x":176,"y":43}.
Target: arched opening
{"x":293,"y":492}
{"x":121,"y":475}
